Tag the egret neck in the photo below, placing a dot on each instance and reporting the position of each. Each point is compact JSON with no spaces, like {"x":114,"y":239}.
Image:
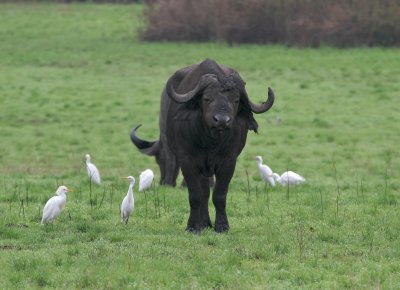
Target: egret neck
{"x":277,"y":177}
{"x":259,"y":160}
{"x":130,"y":190}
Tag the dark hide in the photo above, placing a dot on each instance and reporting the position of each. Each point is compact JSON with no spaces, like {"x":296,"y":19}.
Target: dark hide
{"x":204,"y":119}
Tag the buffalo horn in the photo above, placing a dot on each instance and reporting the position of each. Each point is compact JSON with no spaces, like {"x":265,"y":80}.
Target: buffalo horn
{"x":265,"y":106}
{"x":205,"y":80}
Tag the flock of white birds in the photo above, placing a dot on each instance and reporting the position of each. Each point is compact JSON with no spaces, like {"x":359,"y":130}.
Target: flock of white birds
{"x":287,"y":178}
{"x":56,"y":204}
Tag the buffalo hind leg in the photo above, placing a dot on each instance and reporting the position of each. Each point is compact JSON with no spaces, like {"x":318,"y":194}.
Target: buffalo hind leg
{"x":169,"y":168}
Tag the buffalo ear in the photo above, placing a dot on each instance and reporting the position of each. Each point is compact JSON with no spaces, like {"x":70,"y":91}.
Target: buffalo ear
{"x":246,"y":112}
{"x":252,"y":124}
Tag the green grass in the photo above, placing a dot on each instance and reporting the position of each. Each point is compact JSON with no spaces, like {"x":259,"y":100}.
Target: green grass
{"x":74,"y":80}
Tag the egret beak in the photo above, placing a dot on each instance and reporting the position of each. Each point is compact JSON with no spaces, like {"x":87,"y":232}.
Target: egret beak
{"x":69,"y":189}
{"x":124,"y":178}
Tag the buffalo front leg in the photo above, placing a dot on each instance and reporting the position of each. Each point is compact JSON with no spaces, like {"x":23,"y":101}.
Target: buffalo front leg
{"x":223,"y":178}
{"x":205,"y":221}
{"x":198,"y":217}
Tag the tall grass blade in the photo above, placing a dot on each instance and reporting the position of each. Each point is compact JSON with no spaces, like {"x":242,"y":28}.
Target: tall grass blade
{"x":337,"y":188}
{"x":111,"y":195}
{"x":27,"y":194}
{"x":102,"y":197}
{"x":322,"y":204}
{"x":248,"y":182}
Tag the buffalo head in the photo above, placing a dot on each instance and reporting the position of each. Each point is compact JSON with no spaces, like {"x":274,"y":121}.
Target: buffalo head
{"x":220,"y":98}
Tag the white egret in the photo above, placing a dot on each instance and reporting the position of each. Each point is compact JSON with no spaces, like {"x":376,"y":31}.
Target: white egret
{"x":265,"y":171}
{"x":55,"y":205}
{"x":128,"y":202}
{"x":289,"y":177}
{"x":92,"y":170}
{"x":145,"y":179}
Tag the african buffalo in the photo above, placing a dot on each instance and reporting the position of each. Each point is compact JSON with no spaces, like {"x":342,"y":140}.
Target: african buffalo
{"x":204,"y":119}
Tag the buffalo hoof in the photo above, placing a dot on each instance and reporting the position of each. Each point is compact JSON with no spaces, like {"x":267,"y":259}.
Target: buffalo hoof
{"x":206,"y":224}
{"x":193,"y":230}
{"x":198,"y":229}
{"x":205,"y":227}
{"x":221,"y":228}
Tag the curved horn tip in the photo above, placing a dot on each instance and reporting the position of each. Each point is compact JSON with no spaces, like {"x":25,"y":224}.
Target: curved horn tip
{"x":136,"y":127}
{"x":265,"y":106}
{"x":270,"y":92}
{"x":133,"y":130}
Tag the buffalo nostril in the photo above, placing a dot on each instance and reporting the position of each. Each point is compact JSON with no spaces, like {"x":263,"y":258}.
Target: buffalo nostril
{"x":221,"y":119}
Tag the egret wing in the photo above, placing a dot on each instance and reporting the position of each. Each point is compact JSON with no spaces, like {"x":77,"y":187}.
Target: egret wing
{"x":52,"y":209}
{"x":145,"y":179}
{"x":93,"y":173}
{"x":296,"y":176}
{"x":266,"y":173}
{"x":125,"y":209}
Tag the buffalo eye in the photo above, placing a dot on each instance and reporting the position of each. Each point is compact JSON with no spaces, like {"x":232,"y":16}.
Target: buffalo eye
{"x":207,"y":99}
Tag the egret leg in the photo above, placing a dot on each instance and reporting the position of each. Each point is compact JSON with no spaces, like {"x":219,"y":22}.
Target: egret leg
{"x":145,"y":198}
{"x":287,"y":191}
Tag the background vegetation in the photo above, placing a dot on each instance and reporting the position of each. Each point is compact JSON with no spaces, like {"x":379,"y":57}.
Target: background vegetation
{"x":75,"y":80}
{"x":291,"y":22}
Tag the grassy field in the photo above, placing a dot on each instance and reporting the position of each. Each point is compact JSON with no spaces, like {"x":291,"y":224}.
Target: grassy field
{"x":74,"y":80}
